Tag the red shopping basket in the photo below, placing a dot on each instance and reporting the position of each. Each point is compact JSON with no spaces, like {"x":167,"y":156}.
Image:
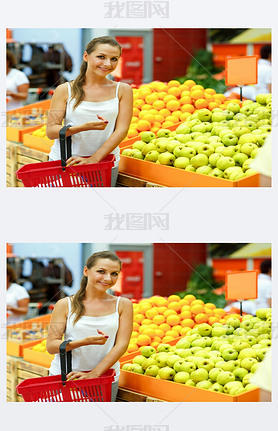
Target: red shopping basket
{"x":57,"y":174}
{"x":51,"y":174}
{"x":57,"y":389}
{"x":51,"y":389}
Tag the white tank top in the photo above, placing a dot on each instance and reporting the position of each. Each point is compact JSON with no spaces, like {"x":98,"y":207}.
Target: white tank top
{"x":86,"y":358}
{"x":88,"y":142}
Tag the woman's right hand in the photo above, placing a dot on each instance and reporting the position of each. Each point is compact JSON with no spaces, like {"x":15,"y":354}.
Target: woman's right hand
{"x":96,"y":125}
{"x":98,"y":340}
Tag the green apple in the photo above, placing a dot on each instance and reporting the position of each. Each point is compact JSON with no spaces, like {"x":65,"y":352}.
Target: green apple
{"x":171,"y":144}
{"x":203,"y":353}
{"x":172,"y":359}
{"x":183,"y":343}
{"x":207,"y":364}
{"x":246,"y":324}
{"x":261,"y":313}
{"x":128,"y":152}
{"x":215,"y":387}
{"x":187,"y":152}
{"x":183,"y":139}
{"x":147,"y":136}
{"x":247,"y":109}
{"x":163,"y":347}
{"x":177,"y":150}
{"x":199,"y":128}
{"x":216,"y":331}
{"x":199,"y":342}
{"x":249,"y":338}
{"x":229,"y":365}
{"x":152,"y":370}
{"x":234,"y":107}
{"x":248,"y":148}
{"x":166,"y":373}
{"x":214,"y":372}
{"x":228,"y":173}
{"x":261,"y":138}
{"x":219,"y":149}
{"x":161,"y":145}
{"x":250,"y":172}
{"x":139,"y":359}
{"x":148,"y":147}
{"x":240,"y":331}
{"x":229,"y":139}
{"x":136,"y":368}
{"x":225,"y":162}
{"x":204,"y":384}
{"x":205,"y":170}
{"x":246,"y":379}
{"x":204,"y":114}
{"x":188,"y":367}
{"x":248,"y":363}
{"x":190,"y":382}
{"x":265,"y":343}
{"x":199,"y":375}
{"x":246,"y":164}
{"x":229,"y":114}
{"x":265,"y":128}
{"x":204,"y":329}
{"x":230,"y":385}
{"x":247,"y":353}
{"x":166,"y":158}
{"x":138,"y":145}
{"x":218,"y":116}
{"x":164,"y":133}
{"x":206,"y":149}
{"x":233,"y":321}
{"x":216,"y":173}
{"x":181,"y":377}
{"x":181,"y":162}
{"x":240,"y":158}
{"x":250,"y":387}
{"x":240,"y":345}
{"x":230,"y":151}
{"x":148,"y":362}
{"x":127,"y":367}
{"x":241,"y":130}
{"x":182,"y":129}
{"x":225,"y":377}
{"x":137,"y":154}
{"x":152,"y":156}
{"x":199,"y":160}
{"x":240,"y":372}
{"x":262,"y":98}
{"x":229,"y":354}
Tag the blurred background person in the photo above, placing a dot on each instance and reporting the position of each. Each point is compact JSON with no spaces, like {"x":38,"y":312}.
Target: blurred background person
{"x":264,"y":77}
{"x":17,"y":83}
{"x":17,"y":299}
{"x":264,"y":292}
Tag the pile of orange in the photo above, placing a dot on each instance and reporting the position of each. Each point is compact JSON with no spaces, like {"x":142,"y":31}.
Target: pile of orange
{"x":160,"y":320}
{"x":160,"y":105}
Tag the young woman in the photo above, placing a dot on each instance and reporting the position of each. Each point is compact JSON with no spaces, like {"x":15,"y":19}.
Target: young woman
{"x":98,"y":323}
{"x":98,"y":109}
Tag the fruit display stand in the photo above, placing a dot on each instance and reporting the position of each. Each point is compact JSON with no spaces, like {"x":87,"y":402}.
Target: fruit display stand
{"x":15,"y":133}
{"x":37,"y":143}
{"x":42,"y":358}
{"x":176,"y":392}
{"x":15,"y":347}
{"x":169,"y":176}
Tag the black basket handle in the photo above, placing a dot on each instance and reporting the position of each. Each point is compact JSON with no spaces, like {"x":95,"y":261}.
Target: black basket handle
{"x":65,"y":360}
{"x":65,"y":149}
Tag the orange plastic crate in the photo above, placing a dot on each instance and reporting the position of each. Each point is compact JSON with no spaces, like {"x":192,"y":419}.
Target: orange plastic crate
{"x":36,"y":143}
{"x":27,"y":109}
{"x":16,"y":134}
{"x":176,"y":392}
{"x":15,"y":348}
{"x":169,"y":176}
{"x":27,"y":324}
{"x":37,"y":358}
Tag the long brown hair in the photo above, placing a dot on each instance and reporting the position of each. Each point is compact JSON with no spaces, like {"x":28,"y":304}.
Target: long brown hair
{"x":77,"y":299}
{"x":77,"y":84}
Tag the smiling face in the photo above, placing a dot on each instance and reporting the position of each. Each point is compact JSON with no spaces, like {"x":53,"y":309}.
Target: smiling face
{"x":103,"y":60}
{"x":103,"y":275}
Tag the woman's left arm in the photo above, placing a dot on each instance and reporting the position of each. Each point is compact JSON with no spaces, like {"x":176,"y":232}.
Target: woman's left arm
{"x":120,"y":346}
{"x":21,"y":94}
{"x":121,"y":128}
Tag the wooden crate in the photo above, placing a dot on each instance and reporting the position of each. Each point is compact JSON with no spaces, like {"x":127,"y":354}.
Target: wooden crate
{"x":27,"y":155}
{"x":125,"y":395}
{"x":11,"y":378}
{"x":125,"y":180}
{"x":25,"y":370}
{"x":11,"y":164}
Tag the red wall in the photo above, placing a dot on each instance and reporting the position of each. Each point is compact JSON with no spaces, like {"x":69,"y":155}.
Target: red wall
{"x":172,"y":48}
{"x":173,"y":265}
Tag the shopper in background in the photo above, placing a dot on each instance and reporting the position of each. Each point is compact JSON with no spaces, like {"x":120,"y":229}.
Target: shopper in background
{"x":98,"y":109}
{"x":17,"y":299}
{"x":99,"y":324}
{"x":264,"y":292}
{"x":17,"y":84}
{"x":263,"y":85}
